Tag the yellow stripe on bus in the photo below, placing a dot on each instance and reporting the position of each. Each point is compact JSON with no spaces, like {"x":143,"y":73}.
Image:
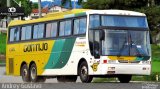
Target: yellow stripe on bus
{"x":122,"y":58}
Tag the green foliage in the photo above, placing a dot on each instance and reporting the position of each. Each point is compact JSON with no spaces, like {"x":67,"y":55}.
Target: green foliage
{"x":64,"y":2}
{"x":114,"y":4}
{"x":155,"y":66}
{"x":153,"y":16}
{"x":2,"y":3}
{"x":34,"y":5}
{"x":155,"y":53}
{"x":27,"y":5}
{"x":2,"y":43}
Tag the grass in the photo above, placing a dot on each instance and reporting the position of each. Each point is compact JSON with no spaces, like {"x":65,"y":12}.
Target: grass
{"x":155,"y":58}
{"x":2,"y":43}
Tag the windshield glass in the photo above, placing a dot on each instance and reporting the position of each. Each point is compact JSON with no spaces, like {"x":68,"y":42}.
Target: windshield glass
{"x":126,"y":43}
{"x":118,"y":21}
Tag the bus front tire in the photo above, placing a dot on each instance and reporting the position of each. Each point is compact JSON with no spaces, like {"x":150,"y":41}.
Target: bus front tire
{"x":83,"y":73}
{"x":33,"y":74}
{"x":125,"y":78}
{"x":25,"y":73}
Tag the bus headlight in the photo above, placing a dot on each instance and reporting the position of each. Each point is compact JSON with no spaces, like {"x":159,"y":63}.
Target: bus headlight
{"x":112,"y":61}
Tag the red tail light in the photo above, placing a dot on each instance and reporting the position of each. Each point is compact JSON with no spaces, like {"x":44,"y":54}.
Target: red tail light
{"x":104,"y":61}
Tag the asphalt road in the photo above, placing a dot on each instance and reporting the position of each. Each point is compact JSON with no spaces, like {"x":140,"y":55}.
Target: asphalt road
{"x":12,"y":82}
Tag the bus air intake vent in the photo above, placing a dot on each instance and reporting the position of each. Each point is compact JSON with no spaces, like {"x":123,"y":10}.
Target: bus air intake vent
{"x":11,"y":66}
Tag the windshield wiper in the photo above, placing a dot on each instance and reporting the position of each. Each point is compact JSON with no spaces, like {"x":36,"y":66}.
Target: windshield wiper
{"x":131,"y":44}
{"x":123,"y":46}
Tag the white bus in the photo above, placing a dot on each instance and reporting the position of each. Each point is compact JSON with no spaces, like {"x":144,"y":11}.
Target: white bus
{"x":85,"y":43}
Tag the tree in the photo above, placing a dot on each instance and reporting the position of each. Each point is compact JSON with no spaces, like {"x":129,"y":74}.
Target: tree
{"x":115,"y":4}
{"x":34,"y":5}
{"x":2,"y":3}
{"x":26,"y":4}
{"x":64,"y":2}
{"x":153,"y":16}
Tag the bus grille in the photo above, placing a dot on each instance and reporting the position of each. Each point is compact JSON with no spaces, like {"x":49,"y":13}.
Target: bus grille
{"x":127,"y":61}
{"x":11,"y":66}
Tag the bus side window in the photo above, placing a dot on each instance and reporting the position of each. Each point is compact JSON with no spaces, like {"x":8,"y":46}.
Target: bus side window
{"x":51,"y":29}
{"x":83,"y":26}
{"x":65,"y":28}
{"x":35,"y":32}
{"x":26,"y":32}
{"x":80,"y":26}
{"x":94,"y":21}
{"x":38,"y":31}
{"x":14,"y":34}
{"x":62,"y":27}
{"x":23,"y":33}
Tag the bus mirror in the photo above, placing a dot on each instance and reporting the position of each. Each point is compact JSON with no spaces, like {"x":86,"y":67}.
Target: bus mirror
{"x":102,"y":35}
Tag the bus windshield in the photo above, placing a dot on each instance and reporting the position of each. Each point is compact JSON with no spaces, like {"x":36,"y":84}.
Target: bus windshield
{"x":126,"y":43}
{"x":126,"y":39}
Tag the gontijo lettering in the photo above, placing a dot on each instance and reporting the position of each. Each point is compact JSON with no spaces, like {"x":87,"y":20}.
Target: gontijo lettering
{"x":35,"y":47}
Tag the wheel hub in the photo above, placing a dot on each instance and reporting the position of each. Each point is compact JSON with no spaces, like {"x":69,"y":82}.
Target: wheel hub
{"x":33,"y":73}
{"x":84,"y":71}
{"x":25,"y":72}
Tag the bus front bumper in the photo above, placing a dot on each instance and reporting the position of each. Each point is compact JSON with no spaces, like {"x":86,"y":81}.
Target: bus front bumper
{"x":133,"y":69}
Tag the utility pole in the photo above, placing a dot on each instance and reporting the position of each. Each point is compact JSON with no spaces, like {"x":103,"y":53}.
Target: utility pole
{"x":8,"y":5}
{"x":39,"y":8}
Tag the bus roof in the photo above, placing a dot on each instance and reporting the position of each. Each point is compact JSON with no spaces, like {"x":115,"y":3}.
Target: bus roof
{"x":73,"y":13}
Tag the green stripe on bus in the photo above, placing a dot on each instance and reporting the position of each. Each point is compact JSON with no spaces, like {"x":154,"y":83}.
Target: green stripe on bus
{"x":142,"y":58}
{"x":60,"y":54}
{"x":80,"y":14}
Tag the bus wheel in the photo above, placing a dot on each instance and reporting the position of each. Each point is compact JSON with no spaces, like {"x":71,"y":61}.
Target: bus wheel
{"x":25,"y":73}
{"x":66,"y":78}
{"x":33,"y":74}
{"x":83,"y":73}
{"x":125,"y":78}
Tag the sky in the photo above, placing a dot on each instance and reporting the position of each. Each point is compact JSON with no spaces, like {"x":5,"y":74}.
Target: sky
{"x":45,"y":0}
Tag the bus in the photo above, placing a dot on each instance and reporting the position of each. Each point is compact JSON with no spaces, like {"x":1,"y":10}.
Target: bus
{"x":80,"y":42}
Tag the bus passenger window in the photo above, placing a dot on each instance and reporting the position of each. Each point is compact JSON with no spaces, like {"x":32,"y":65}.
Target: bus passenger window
{"x":40,"y":30}
{"x":51,"y":29}
{"x":76,"y":26}
{"x":83,"y":26}
{"x":35,"y":32}
{"x":65,"y":28}
{"x":80,"y":26}
{"x":62,"y":27}
{"x":68,"y":28}
{"x":54,"y":29}
{"x":23,"y":33}
{"x":94,"y":21}
{"x":14,"y":34}
{"x":26,"y":33}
